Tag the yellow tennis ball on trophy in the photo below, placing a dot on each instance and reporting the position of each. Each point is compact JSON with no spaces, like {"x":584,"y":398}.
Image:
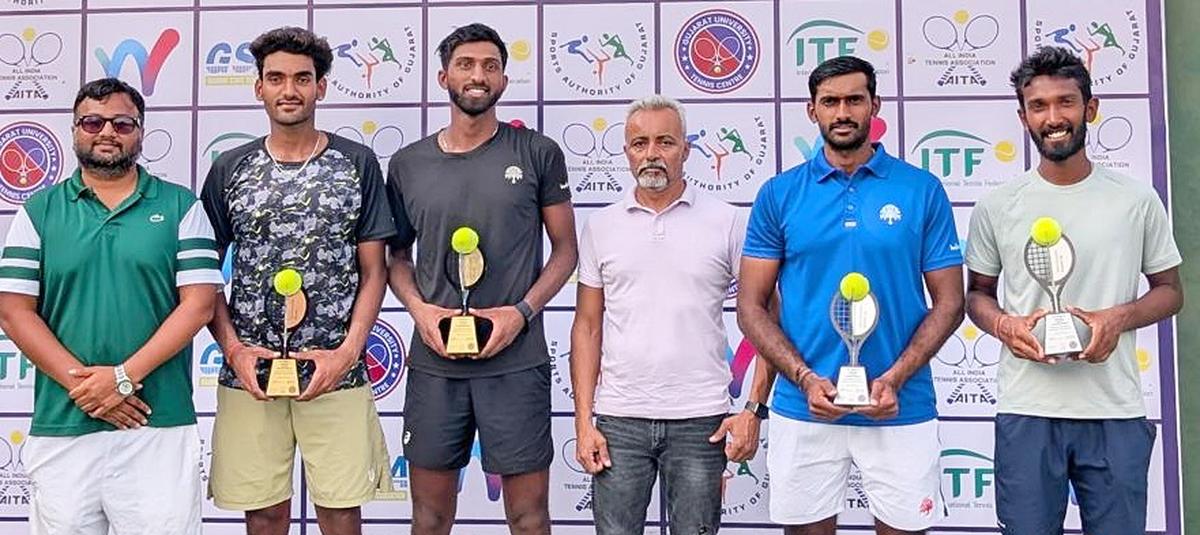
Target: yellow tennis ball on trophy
{"x":288,"y":282}
{"x":1046,"y":231}
{"x":464,"y":240}
{"x":855,"y":286}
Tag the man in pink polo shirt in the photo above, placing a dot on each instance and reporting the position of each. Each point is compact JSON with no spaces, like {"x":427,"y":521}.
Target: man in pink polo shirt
{"x":648,"y":344}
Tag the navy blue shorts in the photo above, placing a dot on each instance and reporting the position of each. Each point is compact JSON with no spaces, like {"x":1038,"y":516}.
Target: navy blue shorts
{"x":511,"y":412}
{"x":1105,"y":460}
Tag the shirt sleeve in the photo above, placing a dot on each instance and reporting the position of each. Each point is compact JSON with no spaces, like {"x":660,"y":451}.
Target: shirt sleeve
{"x":589,"y":265}
{"x":406,"y":233}
{"x":375,"y":216}
{"x":983,"y":255}
{"x":764,"y":232}
{"x":1159,"y":252}
{"x":196,"y":259}
{"x":21,"y":259}
{"x":216,"y":206}
{"x":555,"y":186}
{"x":940,"y":247}
{"x":737,"y":238}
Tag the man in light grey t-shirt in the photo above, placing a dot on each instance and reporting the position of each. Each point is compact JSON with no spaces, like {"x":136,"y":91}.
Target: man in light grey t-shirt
{"x":1079,"y":419}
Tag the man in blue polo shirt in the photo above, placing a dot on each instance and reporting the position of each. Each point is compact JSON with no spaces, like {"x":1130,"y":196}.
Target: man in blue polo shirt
{"x":852,"y":207}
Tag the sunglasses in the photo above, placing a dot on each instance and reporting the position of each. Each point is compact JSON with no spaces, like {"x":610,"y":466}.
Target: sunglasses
{"x":93,"y":124}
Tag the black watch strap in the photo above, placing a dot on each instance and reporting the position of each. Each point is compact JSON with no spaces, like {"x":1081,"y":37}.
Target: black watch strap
{"x":526,"y":311}
{"x":760,"y":411}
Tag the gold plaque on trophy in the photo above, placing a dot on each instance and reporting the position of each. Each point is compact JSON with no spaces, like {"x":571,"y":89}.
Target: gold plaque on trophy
{"x":464,"y":335}
{"x":284,"y":378}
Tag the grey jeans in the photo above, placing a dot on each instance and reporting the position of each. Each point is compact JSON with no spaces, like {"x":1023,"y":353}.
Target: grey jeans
{"x":678,"y":451}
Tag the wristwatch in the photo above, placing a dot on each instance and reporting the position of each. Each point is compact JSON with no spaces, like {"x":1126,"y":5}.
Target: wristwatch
{"x":124,"y":385}
{"x":759,"y":410}
{"x":526,"y":312}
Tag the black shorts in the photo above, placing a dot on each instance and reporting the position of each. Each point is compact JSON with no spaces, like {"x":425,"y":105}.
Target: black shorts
{"x":510,"y":411}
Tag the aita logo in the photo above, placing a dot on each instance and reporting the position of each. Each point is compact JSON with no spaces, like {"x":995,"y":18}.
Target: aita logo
{"x":149,"y":63}
{"x":818,"y":40}
{"x":949,"y":152}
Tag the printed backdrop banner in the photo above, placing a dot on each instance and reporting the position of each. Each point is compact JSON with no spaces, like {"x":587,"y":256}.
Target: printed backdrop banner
{"x":740,"y":67}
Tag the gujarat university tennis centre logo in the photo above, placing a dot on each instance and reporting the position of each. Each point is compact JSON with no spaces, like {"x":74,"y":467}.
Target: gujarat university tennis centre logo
{"x":30,"y":159}
{"x":385,"y":359}
{"x":717,"y":51}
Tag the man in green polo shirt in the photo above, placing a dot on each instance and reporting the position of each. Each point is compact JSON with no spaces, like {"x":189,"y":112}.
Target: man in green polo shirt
{"x":104,"y":280}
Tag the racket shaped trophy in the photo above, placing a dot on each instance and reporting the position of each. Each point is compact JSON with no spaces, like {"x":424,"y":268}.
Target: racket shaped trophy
{"x":284,"y":379}
{"x":854,"y":313}
{"x":464,"y":334}
{"x":1050,"y":260}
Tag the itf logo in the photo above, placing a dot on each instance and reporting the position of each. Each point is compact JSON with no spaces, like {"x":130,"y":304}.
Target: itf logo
{"x":149,"y":64}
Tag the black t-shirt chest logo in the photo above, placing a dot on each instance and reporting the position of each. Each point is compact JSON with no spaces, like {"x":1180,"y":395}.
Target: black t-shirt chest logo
{"x":513,"y":174}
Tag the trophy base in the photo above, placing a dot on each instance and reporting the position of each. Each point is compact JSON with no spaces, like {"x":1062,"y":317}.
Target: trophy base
{"x":284,"y":380}
{"x":1062,"y":335}
{"x":852,"y":389}
{"x":465,"y":335}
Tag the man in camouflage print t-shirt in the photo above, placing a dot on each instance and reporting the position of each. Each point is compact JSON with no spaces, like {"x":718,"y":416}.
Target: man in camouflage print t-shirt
{"x":314,"y":202}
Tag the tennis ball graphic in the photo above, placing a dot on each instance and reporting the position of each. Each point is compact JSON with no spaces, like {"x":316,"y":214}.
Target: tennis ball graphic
{"x":854,"y":286}
{"x":1005,"y":151}
{"x":288,"y":282}
{"x":878,"y":40}
{"x":520,"y":50}
{"x":1046,"y":231}
{"x":464,"y":240}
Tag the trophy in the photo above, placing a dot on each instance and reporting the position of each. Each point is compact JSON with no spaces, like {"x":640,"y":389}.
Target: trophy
{"x":284,"y":379}
{"x":464,"y":335}
{"x":1050,"y":259}
{"x":854,"y":313}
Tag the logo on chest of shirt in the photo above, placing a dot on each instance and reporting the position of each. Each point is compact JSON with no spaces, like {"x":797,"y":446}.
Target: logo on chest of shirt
{"x":513,"y":174}
{"x":890,"y":214}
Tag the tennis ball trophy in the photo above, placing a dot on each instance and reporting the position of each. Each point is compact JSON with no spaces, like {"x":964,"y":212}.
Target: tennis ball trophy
{"x":854,"y":313}
{"x":465,"y":335}
{"x":284,"y":379}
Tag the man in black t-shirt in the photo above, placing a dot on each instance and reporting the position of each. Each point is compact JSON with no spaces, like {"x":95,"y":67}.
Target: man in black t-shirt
{"x":506,"y":183}
{"x":314,"y":202}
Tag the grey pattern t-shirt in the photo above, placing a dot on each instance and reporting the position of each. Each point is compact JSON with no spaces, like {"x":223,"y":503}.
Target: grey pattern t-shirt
{"x":310,"y":220}
{"x":499,"y":190}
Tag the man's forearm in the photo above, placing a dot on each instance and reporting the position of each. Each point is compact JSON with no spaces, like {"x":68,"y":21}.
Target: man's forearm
{"x":175,"y":332}
{"x":1159,"y":303}
{"x":931,"y":334}
{"x":585,"y":368}
{"x":983,"y":309}
{"x":762,"y":328}
{"x":554,"y":275}
{"x":372,"y":279}
{"x":402,"y":279}
{"x":764,"y":379}
{"x":35,"y":339}
{"x":221,"y":325}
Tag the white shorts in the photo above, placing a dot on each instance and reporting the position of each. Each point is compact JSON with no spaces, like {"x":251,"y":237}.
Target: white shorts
{"x":137,"y":481}
{"x":809,"y":465}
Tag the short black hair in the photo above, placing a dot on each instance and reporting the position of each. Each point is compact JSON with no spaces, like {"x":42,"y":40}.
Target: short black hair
{"x":1053,"y":61}
{"x":295,"y":41}
{"x":841,"y":66}
{"x":101,"y":88}
{"x":471,"y":33}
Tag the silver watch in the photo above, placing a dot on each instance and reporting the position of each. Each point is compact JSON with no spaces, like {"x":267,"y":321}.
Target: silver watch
{"x":759,"y":410}
{"x":124,"y":385}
